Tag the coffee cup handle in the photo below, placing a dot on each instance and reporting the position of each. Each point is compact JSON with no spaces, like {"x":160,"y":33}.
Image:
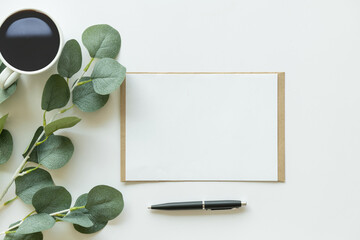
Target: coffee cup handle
{"x":8,"y":77}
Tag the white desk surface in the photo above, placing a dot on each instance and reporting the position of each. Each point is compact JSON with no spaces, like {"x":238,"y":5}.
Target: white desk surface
{"x":315,"y":42}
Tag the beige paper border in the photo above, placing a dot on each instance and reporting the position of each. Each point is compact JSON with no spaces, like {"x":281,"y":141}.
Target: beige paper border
{"x":281,"y":126}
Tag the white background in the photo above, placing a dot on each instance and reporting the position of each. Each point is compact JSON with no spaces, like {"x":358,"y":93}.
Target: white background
{"x":317,"y":44}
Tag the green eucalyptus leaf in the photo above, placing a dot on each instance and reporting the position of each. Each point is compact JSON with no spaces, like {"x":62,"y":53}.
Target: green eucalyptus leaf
{"x":56,"y":93}
{"x":36,"y":223}
{"x":2,"y":122}
{"x":86,"y":99}
{"x":31,"y":236}
{"x":51,"y":199}
{"x":78,"y":218}
{"x":97,"y":226}
{"x":66,"y":122}
{"x":102,"y":41}
{"x":6,"y":146}
{"x":107,"y":76}
{"x":55,"y":152}
{"x":70,"y":59}
{"x":29,"y":184}
{"x":6,"y":93}
{"x":81,"y":200}
{"x":37,"y":134}
{"x":2,"y":66}
{"x":34,"y":156}
{"x":104,"y":203}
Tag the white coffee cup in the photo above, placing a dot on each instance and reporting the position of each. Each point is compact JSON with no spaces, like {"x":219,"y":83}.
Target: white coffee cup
{"x":28,"y":40}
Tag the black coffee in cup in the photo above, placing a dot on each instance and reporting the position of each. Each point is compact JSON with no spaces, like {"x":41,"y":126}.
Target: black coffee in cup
{"x":29,"y":40}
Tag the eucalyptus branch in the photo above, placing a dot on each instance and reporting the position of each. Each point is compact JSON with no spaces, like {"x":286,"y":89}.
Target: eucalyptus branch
{"x":66,"y":211}
{"x":107,"y":76}
{"x":7,"y":231}
{"x":37,"y":143}
{"x":16,"y":174}
{"x":62,"y":212}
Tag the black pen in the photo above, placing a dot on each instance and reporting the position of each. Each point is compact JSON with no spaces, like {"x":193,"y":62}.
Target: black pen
{"x":200,"y":205}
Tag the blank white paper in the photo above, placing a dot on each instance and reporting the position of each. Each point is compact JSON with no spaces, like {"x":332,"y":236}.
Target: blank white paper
{"x":182,"y":127}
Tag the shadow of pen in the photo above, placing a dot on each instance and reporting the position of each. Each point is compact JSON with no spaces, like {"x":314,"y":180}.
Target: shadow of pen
{"x":199,"y":212}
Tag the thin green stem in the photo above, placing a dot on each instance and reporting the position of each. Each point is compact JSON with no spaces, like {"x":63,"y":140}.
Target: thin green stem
{"x":8,"y":232}
{"x":87,"y":66}
{"x":60,"y":215}
{"x":44,"y":119}
{"x":67,"y":109}
{"x":67,"y":80}
{"x":84,"y":82}
{"x":10,"y":201}
{"x":30,"y":170}
{"x":31,"y":213}
{"x":76,"y":208}
{"x":38,"y":143}
{"x":82,"y":75}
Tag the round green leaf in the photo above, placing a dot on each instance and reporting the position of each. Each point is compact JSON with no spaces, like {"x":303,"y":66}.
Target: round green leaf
{"x":66,"y":122}
{"x":102,"y":41}
{"x":104,"y":203}
{"x":107,"y":76}
{"x":37,"y":134}
{"x":56,"y":93}
{"x":55,"y":152}
{"x":6,"y":146}
{"x":51,"y":199}
{"x":31,"y":236}
{"x":34,"y":156}
{"x":29,"y":184}
{"x":81,"y":200}
{"x":70,"y":59}
{"x":36,"y":223}
{"x":86,"y":99}
{"x":2,"y":122}
{"x":97,"y":226}
{"x":78,"y":218}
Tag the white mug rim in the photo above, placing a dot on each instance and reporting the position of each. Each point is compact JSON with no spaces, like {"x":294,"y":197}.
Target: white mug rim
{"x":47,"y":66}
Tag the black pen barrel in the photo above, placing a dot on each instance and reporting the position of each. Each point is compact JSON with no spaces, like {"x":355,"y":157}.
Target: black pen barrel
{"x":222,"y":205}
{"x":179,"y":206}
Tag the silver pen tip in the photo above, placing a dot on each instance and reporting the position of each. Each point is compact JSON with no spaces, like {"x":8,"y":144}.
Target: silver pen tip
{"x":243,"y":204}
{"x":149,"y":207}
